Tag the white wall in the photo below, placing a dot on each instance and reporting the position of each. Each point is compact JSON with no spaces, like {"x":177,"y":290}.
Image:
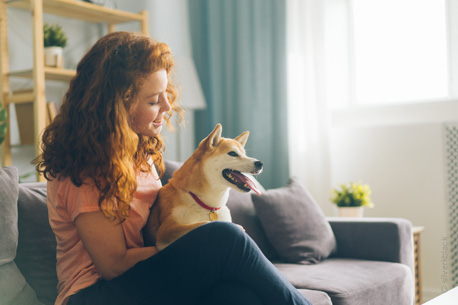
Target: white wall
{"x":399,"y":152}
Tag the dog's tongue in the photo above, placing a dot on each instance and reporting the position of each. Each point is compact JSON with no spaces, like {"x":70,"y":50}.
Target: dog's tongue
{"x":247,"y":181}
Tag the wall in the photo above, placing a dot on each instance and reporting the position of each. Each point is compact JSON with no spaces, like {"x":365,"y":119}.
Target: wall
{"x":399,"y":152}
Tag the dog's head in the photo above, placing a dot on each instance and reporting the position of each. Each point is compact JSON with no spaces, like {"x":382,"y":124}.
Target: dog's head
{"x":226,"y":162}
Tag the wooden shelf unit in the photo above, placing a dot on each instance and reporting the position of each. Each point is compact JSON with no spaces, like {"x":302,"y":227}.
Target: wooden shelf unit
{"x":85,"y":11}
{"x":40,"y":73}
{"x":50,"y":73}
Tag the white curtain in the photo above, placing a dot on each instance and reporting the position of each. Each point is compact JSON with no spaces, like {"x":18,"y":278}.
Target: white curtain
{"x":309,"y":116}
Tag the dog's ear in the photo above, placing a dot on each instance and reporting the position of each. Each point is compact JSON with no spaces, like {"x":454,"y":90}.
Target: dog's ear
{"x":214,"y":137}
{"x":243,"y":138}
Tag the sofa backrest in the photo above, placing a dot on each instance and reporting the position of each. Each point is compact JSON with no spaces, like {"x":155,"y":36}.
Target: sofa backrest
{"x":36,"y":251}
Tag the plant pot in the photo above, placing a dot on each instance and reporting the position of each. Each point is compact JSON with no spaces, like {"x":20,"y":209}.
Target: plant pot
{"x":350,"y":211}
{"x":54,"y":57}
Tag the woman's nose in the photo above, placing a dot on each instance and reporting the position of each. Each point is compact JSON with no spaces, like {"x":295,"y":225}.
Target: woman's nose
{"x":165,"y":104}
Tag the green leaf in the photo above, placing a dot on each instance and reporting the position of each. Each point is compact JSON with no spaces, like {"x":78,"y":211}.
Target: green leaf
{"x":3,"y":123}
{"x":54,"y":36}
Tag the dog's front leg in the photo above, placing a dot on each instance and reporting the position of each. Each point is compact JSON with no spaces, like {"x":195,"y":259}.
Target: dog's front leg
{"x":170,"y":232}
{"x":152,"y":226}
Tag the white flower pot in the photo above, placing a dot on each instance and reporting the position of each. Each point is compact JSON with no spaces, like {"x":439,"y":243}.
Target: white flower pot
{"x":54,"y":57}
{"x":350,"y":211}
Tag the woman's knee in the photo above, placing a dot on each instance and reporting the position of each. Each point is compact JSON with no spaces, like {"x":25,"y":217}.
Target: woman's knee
{"x":225,"y":228}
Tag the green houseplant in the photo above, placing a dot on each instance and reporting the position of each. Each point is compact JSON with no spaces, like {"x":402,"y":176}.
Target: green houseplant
{"x":351,"y":198}
{"x":3,"y":123}
{"x":54,"y":40}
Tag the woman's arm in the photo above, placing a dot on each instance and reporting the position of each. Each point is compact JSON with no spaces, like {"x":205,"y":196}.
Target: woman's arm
{"x":104,"y":241}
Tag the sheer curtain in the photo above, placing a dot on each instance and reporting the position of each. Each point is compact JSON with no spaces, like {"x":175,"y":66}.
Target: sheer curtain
{"x":309,"y":116}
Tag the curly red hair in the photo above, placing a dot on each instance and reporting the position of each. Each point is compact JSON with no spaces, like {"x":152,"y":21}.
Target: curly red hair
{"x":91,"y":137}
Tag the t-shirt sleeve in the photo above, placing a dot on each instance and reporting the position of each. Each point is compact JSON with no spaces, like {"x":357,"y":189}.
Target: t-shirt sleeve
{"x":81,"y":199}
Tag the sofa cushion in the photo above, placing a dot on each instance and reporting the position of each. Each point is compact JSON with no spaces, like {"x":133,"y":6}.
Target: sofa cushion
{"x":170,"y":167}
{"x":36,"y":253}
{"x":13,"y":287}
{"x":295,"y":224}
{"x":316,"y":297}
{"x":8,"y":214}
{"x":354,"y":282}
{"x":242,"y":212}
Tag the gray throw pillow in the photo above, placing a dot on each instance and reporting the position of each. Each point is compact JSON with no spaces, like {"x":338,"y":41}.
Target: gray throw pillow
{"x":294,"y":223}
{"x":13,"y":287}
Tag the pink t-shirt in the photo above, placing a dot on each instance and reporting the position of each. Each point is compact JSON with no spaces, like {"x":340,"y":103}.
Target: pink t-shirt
{"x":75,"y":269}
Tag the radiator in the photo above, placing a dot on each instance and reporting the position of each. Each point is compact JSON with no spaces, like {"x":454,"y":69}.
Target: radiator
{"x":451,"y":150}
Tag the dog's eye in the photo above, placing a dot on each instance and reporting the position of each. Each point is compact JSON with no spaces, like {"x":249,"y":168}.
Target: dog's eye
{"x":233,"y":154}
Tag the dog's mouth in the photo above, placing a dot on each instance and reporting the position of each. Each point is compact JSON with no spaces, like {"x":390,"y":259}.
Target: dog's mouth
{"x":240,"y":180}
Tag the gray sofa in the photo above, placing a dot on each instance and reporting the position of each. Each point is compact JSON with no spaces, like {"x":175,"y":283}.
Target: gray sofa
{"x":370,"y":260}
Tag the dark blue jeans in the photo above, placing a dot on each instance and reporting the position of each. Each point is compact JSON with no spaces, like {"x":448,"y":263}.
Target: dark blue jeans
{"x":216,"y":263}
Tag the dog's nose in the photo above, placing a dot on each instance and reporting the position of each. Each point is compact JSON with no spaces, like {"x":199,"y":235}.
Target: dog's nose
{"x":258,"y":164}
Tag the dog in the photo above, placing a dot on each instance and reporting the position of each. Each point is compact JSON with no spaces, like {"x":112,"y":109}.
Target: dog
{"x":198,"y":192}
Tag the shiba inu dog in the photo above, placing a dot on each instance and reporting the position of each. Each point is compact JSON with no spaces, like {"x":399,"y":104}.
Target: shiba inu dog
{"x":198,"y":192}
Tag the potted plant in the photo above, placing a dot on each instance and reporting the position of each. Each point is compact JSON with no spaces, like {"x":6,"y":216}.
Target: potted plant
{"x":54,"y":40}
{"x":350,"y":199}
{"x":3,"y":123}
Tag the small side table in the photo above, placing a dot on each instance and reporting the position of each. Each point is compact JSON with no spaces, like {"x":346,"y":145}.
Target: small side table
{"x":417,"y":264}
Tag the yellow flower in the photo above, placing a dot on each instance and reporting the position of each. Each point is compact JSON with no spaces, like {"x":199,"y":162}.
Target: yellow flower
{"x":352,"y":195}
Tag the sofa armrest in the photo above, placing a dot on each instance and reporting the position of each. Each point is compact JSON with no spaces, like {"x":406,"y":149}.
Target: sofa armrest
{"x":381,"y":239}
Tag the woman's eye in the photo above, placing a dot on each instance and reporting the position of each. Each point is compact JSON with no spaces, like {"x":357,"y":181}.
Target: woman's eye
{"x":233,"y":154}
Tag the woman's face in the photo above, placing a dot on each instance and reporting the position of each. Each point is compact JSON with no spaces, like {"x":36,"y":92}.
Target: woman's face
{"x":147,"y":115}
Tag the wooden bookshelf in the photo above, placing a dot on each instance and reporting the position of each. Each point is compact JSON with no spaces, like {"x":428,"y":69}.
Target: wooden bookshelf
{"x":40,"y":73}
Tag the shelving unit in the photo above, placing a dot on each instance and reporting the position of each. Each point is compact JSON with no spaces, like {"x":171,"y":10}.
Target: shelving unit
{"x":40,"y":73}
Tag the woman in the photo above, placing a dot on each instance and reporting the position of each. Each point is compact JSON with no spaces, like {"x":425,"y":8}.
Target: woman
{"x":101,"y":155}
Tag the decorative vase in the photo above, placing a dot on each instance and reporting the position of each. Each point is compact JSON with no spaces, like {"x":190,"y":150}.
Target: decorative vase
{"x":54,"y":57}
{"x":350,"y":211}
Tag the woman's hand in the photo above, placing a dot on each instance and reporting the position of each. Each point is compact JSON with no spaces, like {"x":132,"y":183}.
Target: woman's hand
{"x":105,"y":243}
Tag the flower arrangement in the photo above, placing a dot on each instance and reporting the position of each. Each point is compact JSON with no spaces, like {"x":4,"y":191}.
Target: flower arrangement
{"x":54,"y":36}
{"x":352,"y":195}
{"x":3,"y":123}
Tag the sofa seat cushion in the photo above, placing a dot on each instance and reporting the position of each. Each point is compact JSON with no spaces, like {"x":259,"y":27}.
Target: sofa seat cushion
{"x":316,"y":297}
{"x":354,"y":282}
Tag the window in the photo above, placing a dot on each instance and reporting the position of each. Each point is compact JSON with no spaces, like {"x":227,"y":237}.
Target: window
{"x":389,"y":51}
